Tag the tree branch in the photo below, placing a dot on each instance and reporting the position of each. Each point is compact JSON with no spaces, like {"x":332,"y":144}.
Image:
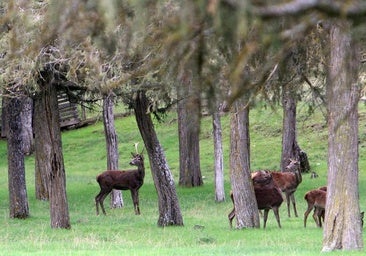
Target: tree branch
{"x":332,"y":8}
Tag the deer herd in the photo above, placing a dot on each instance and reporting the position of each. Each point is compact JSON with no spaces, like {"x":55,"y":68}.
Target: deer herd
{"x":268,"y":188}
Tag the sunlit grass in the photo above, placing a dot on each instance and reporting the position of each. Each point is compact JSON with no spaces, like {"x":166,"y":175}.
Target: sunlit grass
{"x":206,"y":228}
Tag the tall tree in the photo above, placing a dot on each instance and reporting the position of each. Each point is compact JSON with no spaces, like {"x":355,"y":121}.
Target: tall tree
{"x":189,"y":90}
{"x":27,"y":130}
{"x":18,"y":200}
{"x":189,"y":112}
{"x":48,"y":133}
{"x":342,"y":226}
{"x":169,"y":209}
{"x":291,"y":72}
{"x":42,"y":153}
{"x":219,"y":161}
{"x":246,"y":208}
{"x":111,"y":144}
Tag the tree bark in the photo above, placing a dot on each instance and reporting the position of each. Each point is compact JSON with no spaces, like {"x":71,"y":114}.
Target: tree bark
{"x":42,"y":149}
{"x":290,"y":148}
{"x":27,"y":129}
{"x":111,"y":145}
{"x":49,"y":134}
{"x":169,"y":209}
{"x":18,"y":200}
{"x":189,"y":116}
{"x":246,"y":208}
{"x":342,"y":226}
{"x":4,"y":123}
{"x":219,"y":161}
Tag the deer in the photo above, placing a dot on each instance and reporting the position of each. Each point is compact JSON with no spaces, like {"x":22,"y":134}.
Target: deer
{"x":122,"y":180}
{"x":267,"y":194}
{"x":316,"y":199}
{"x":288,"y":182}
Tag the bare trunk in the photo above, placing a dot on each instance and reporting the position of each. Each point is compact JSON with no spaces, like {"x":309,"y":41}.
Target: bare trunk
{"x":18,"y":200}
{"x":111,"y":145}
{"x":27,"y":129}
{"x":219,"y":161}
{"x":4,"y":123}
{"x":189,"y":113}
{"x":189,"y":107}
{"x":42,"y":150}
{"x":342,"y":226}
{"x":290,"y":148}
{"x":245,"y":202}
{"x":48,"y":133}
{"x":169,"y":209}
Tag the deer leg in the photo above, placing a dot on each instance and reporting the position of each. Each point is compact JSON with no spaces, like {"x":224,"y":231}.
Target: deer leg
{"x":320,"y":214}
{"x":97,"y":204}
{"x":97,"y":201}
{"x":101,"y":200}
{"x":265,"y":216}
{"x":308,"y":210}
{"x":135,"y":199}
{"x":288,"y":203}
{"x":277,"y":215}
{"x":231,"y":217}
{"x":315,"y":217}
{"x":292,"y":196}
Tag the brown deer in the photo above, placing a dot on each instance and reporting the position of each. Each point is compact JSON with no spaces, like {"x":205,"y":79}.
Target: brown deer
{"x":288,"y":182}
{"x":122,"y":180}
{"x":267,"y":194}
{"x":316,"y":199}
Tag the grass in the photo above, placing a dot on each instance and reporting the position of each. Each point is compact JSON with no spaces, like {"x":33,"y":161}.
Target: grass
{"x":206,"y":230}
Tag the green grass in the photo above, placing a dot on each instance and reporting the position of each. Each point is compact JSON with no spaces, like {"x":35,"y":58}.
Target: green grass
{"x":123,"y":233}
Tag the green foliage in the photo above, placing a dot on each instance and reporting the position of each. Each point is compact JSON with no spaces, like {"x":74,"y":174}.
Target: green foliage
{"x":206,"y":228}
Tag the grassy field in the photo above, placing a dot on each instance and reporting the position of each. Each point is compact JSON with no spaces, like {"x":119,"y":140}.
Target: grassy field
{"x":123,"y":233}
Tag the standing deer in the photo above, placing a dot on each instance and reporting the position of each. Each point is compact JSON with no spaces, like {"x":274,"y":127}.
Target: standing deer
{"x":267,"y":194}
{"x":122,"y":180}
{"x":316,"y":200}
{"x":288,"y":182}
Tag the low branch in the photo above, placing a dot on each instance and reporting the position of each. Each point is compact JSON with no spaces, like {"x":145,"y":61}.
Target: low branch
{"x":355,"y":11}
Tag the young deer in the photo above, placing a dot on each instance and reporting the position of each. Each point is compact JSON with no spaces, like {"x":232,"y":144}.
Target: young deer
{"x":122,"y":180}
{"x":267,"y":194}
{"x":316,"y":200}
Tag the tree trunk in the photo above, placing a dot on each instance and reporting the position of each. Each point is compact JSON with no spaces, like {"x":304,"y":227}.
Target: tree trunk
{"x":42,"y":150}
{"x":342,"y":226}
{"x":4,"y":123}
{"x":219,"y":162}
{"x":290,"y":75}
{"x":49,"y":134}
{"x":27,"y":129}
{"x":189,"y":114}
{"x":169,"y":209}
{"x":18,"y":200}
{"x":245,"y":202}
{"x":290,"y":148}
{"x":112,"y":145}
{"x":189,"y":106}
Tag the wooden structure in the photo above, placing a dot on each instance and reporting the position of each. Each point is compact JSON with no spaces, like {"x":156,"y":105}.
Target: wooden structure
{"x":69,"y":114}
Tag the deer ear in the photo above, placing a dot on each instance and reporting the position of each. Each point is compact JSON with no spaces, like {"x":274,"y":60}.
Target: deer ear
{"x":142,"y":151}
{"x":133,"y":155}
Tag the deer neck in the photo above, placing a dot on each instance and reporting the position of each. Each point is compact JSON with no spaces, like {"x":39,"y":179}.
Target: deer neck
{"x":141,"y":169}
